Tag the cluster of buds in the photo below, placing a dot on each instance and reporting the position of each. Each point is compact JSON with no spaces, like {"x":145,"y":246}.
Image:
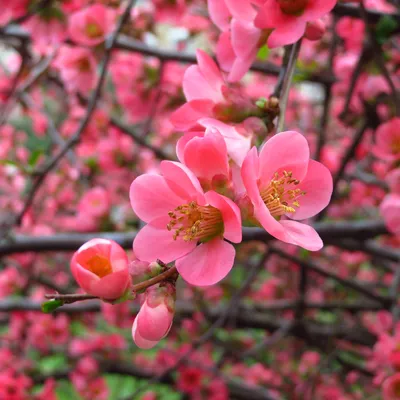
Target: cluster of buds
{"x":101,"y":269}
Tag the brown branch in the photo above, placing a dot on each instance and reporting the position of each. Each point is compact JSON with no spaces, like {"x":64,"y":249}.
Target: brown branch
{"x":72,"y":298}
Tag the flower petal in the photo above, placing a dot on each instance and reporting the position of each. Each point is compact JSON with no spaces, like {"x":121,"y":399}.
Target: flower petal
{"x":154,"y":242}
{"x":186,"y":116}
{"x":302,"y":235}
{"x":154,"y":322}
{"x":139,"y":341}
{"x":151,"y":197}
{"x":230,"y":215}
{"x":250,"y":172}
{"x":207,"y":264}
{"x":318,"y":187}
{"x":284,"y":151}
{"x":182,"y":181}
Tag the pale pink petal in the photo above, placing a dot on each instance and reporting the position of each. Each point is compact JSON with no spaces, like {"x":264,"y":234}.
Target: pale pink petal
{"x":241,"y":9}
{"x":249,"y":172}
{"x":210,"y":71}
{"x":111,"y":286}
{"x":182,"y":181}
{"x":139,"y":341}
{"x":240,"y":67}
{"x":208,"y":263}
{"x":286,"y":34}
{"x":245,"y":39}
{"x":153,"y":242}
{"x":196,"y":86}
{"x":237,"y":144}
{"x":225,"y":54}
{"x":207,"y":156}
{"x":153,"y":323}
{"x":186,"y":116}
{"x":151,"y":197}
{"x":183,"y":141}
{"x":230,"y":215}
{"x":318,"y":187}
{"x":284,"y":151}
{"x":219,"y":14}
{"x":302,"y":235}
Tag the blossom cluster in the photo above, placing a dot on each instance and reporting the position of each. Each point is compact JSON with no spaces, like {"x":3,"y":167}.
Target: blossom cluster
{"x":225,"y":169}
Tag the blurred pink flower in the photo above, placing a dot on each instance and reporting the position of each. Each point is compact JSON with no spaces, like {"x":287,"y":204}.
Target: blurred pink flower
{"x":388,"y":140}
{"x":90,"y":26}
{"x":390,"y":211}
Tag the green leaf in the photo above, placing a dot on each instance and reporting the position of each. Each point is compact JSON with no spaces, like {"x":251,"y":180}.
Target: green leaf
{"x":385,"y":27}
{"x":34,"y":157}
{"x":77,"y":328}
{"x":49,"y":365}
{"x":51,"y":305}
{"x":65,"y":391}
{"x":263,"y":53}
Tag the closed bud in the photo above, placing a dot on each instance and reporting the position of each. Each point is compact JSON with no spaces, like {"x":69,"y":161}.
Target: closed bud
{"x":100,"y":267}
{"x":315,"y":30}
{"x":154,"y":319}
{"x":143,"y":270}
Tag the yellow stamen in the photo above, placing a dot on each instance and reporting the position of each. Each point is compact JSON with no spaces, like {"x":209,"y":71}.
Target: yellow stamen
{"x":281,"y":195}
{"x":99,"y":265}
{"x":194,"y":222}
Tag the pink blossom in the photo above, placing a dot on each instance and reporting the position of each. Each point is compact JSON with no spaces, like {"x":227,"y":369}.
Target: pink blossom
{"x":391,"y":387}
{"x":154,"y":319}
{"x":90,"y":26}
{"x":100,"y":267}
{"x":179,"y":215}
{"x":77,"y":68}
{"x":388,"y":140}
{"x":283,"y":182}
{"x":288,"y":19}
{"x":46,"y":32}
{"x":390,"y":211}
{"x":193,"y":149}
{"x":95,"y":202}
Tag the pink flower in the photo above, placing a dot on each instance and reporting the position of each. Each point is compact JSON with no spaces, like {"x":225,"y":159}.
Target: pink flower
{"x":390,"y":211}
{"x":90,"y":26}
{"x":388,"y":140}
{"x":95,"y":202}
{"x":192,"y":149}
{"x":180,"y":216}
{"x":288,"y":18}
{"x":283,"y":182}
{"x":202,"y":86}
{"x":77,"y":67}
{"x":154,"y":319}
{"x":239,"y":43}
{"x":391,"y":387}
{"x":100,"y":267}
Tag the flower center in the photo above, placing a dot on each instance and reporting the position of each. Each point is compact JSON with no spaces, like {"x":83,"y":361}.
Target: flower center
{"x":194,"y":222}
{"x":281,"y":195}
{"x":99,"y":265}
{"x":295,"y":7}
{"x":93,"y":30}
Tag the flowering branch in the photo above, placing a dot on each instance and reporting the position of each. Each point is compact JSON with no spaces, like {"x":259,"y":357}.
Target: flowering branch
{"x":72,"y":298}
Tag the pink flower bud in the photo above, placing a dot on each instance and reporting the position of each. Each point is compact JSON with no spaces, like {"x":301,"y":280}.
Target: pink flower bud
{"x":141,"y":270}
{"x":100,"y":267}
{"x":155,"y":316}
{"x":315,"y":30}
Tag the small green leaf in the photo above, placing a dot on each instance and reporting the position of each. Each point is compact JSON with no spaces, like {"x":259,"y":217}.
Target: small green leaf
{"x":263,"y":53}
{"x":49,"y":365}
{"x":51,"y":305}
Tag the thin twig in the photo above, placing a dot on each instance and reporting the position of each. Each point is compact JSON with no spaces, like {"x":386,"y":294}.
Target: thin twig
{"x":287,"y":83}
